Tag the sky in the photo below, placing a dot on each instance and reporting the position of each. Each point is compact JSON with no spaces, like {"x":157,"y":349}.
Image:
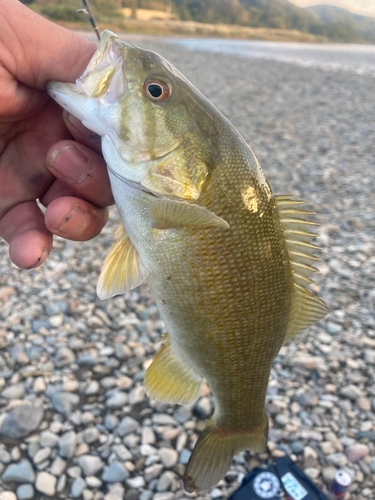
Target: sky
{"x":364,"y":7}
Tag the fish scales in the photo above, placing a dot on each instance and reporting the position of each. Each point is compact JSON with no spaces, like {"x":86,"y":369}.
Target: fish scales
{"x":226,"y":261}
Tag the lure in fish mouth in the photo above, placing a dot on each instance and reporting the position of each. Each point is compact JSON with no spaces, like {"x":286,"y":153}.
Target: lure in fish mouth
{"x":227,"y":262}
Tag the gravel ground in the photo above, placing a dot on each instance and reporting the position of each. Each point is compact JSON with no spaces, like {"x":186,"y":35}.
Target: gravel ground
{"x":74,"y":420}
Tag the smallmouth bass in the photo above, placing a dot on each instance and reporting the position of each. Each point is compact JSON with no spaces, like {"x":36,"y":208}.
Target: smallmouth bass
{"x":226,"y":261}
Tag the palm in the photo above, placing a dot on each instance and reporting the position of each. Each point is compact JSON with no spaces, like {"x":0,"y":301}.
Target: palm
{"x":25,"y":138}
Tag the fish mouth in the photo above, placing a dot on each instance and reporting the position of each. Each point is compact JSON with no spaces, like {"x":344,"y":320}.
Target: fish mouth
{"x":91,"y":97}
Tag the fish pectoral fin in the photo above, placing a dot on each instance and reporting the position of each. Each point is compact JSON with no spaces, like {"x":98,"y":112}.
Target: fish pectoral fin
{"x":167,"y":213}
{"x":122,"y":269}
{"x":214,"y":451}
{"x":306,"y":309}
{"x":169,"y":379}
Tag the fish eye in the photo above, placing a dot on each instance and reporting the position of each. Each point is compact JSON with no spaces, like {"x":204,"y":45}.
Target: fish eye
{"x":157,"y":90}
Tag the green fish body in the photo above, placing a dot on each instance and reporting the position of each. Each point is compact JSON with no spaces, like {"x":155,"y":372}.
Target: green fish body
{"x":226,"y":261}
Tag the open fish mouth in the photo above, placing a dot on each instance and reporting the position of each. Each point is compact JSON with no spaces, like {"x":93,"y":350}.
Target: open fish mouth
{"x":92,"y":97}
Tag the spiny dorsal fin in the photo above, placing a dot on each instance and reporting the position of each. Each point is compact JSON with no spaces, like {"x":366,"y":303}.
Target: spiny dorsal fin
{"x":167,"y":213}
{"x":170,"y":379}
{"x":122,"y":268}
{"x":306,"y":309}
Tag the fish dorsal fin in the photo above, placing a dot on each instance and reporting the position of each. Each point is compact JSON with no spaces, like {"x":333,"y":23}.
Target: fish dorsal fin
{"x":122,"y":268}
{"x":169,"y":379}
{"x":168,"y":213}
{"x":306,"y":309}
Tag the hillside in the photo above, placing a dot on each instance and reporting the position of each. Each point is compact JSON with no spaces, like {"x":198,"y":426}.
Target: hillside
{"x":322,"y":23}
{"x":360,"y":26}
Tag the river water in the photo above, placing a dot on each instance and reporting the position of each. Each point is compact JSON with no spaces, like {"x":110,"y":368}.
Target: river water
{"x":333,"y":57}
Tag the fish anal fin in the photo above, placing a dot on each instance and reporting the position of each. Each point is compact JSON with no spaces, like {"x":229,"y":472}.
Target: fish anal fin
{"x":167,"y":213}
{"x":306,"y":309}
{"x":122,"y":268}
{"x":169,"y":379}
{"x":214,"y":451}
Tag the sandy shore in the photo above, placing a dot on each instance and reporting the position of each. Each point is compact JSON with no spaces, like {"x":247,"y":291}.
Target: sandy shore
{"x":78,"y":363}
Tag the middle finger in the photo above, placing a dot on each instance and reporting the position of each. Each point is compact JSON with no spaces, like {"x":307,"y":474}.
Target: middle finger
{"x":82,"y":171}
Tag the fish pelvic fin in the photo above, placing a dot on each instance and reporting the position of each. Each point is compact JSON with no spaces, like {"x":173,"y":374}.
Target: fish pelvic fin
{"x":167,"y":213}
{"x":169,"y":379}
{"x":306,"y":309}
{"x":214,"y":451}
{"x":122,"y":268}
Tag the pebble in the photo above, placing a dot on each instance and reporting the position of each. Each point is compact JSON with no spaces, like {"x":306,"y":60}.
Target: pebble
{"x":115,"y":473}
{"x":122,"y":453}
{"x":146,"y":495}
{"x":46,"y":483}
{"x":22,"y":472}
{"x":117,"y":492}
{"x":168,"y":457}
{"x":90,"y":464}
{"x":65,"y":402}
{"x":93,"y":481}
{"x":91,"y":435}
{"x":363,"y":404}
{"x":297,"y":447}
{"x":117,"y":400}
{"x":42,"y":455}
{"x":48,"y":438}
{"x":58,"y":466}
{"x":67,"y":444}
{"x":337,"y":459}
{"x":165,"y":481}
{"x":22,"y":421}
{"x":136,"y":482}
{"x":356,"y":451}
{"x":126,"y":426}
{"x":92,"y":388}
{"x":153,"y":471}
{"x":79,"y":484}
{"x":64,"y":357}
{"x":39,"y":385}
{"x":25,"y":492}
{"x":61,"y":483}
{"x":328,"y":474}
{"x":7,"y":495}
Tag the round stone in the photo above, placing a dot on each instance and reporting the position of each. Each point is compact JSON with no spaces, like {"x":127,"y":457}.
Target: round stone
{"x":22,"y":472}
{"x":46,"y":483}
{"x":64,"y":357}
{"x":7,"y":495}
{"x":90,"y":464}
{"x":67,"y":444}
{"x":22,"y":421}
{"x":356,"y":451}
{"x":115,"y":473}
{"x":79,"y":484}
{"x":168,"y":457}
{"x":25,"y":492}
{"x":65,"y":402}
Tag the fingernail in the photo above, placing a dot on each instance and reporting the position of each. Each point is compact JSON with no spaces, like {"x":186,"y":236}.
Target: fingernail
{"x":75,"y":222}
{"x":41,"y":260}
{"x":70,"y":163}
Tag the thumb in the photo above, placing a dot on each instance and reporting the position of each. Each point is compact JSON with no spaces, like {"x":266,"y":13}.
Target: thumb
{"x":36,"y":50}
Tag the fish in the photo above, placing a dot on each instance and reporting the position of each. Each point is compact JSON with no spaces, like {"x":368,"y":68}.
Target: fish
{"x":227,"y":261}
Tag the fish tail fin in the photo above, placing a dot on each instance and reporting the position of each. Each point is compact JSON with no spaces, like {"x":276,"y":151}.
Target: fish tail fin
{"x":214,"y":451}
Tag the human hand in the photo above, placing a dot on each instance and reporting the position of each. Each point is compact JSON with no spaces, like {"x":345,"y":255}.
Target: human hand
{"x":38,"y":157}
